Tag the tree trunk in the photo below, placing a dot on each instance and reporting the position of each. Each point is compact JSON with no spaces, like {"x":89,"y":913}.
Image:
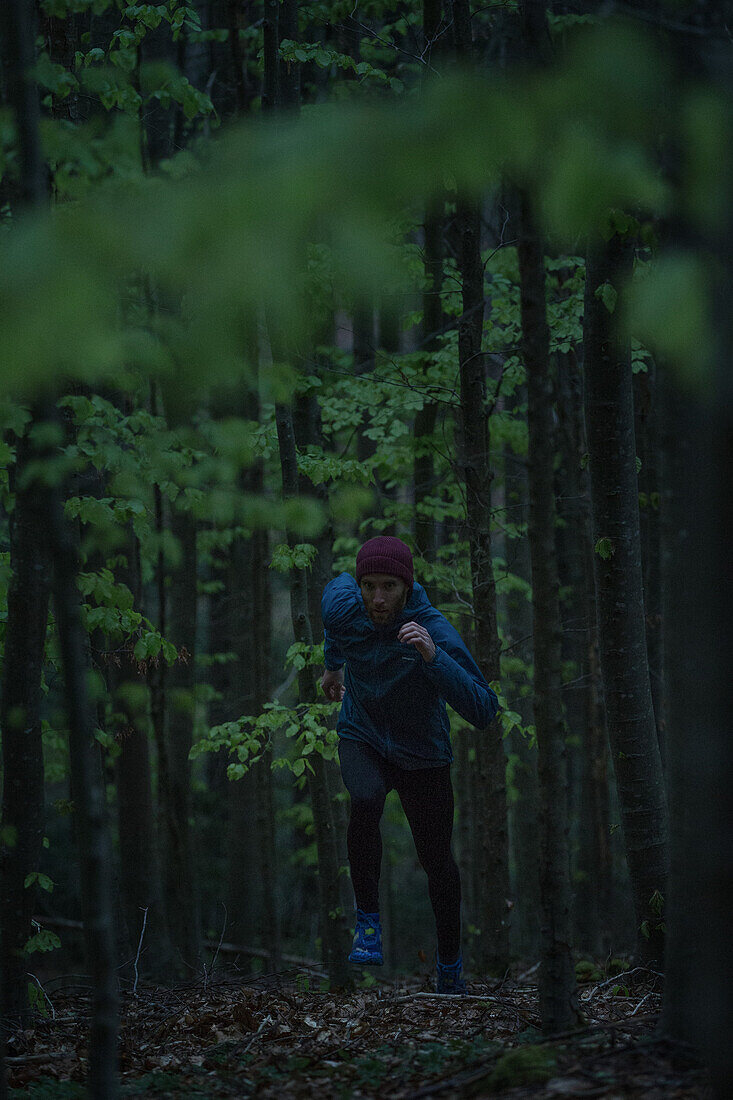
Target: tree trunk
{"x":182,"y":903}
{"x":490,"y":839}
{"x":23,"y":808}
{"x":142,"y":899}
{"x":253,"y":634}
{"x":334,"y":932}
{"x":698,"y":994}
{"x":308,"y":431}
{"x":271,"y":43}
{"x":583,"y":701}
{"x":558,"y":991}
{"x":617,"y":567}
{"x":646,"y":413}
{"x":424,"y":466}
{"x":524,"y":801}
{"x":89,"y":807}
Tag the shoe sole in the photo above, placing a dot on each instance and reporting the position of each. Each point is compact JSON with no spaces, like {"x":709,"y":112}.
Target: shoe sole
{"x":366,"y":962}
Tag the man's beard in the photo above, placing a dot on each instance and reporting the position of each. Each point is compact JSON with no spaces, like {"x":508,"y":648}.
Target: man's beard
{"x":384,"y":618}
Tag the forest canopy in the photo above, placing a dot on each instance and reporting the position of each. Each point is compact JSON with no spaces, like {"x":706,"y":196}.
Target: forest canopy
{"x":293,"y":218}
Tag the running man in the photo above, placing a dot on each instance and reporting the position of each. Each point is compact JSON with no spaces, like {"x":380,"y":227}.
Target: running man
{"x":403,"y":662}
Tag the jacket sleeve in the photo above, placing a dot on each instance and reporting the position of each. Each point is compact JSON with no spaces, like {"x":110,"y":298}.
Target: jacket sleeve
{"x":339,"y":609}
{"x":457,"y":676}
{"x":333,"y":658}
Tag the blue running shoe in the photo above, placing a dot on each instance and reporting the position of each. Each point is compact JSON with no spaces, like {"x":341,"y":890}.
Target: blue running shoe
{"x":367,"y":949}
{"x":449,"y":977}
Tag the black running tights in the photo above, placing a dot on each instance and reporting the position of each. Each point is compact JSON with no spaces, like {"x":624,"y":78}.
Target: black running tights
{"x":427,"y":799}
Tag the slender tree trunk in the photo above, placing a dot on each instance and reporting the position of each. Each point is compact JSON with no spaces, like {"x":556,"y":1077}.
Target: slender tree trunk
{"x":523,"y":806}
{"x":617,"y":566}
{"x":289,"y":75}
{"x":333,"y":922}
{"x":23,"y":808}
{"x":180,"y":879}
{"x":23,"y":811}
{"x":558,"y":991}
{"x":424,"y":466}
{"x":308,"y":431}
{"x":698,"y":994}
{"x":260,"y":656}
{"x":646,"y":401}
{"x":490,"y":839}
{"x":142,"y":899}
{"x":592,"y":894}
{"x":271,"y":42}
{"x":89,"y":805}
{"x":574,"y":652}
{"x":234,"y":8}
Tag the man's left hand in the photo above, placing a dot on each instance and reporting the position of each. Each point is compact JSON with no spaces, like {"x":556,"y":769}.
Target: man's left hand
{"x":413,"y":634}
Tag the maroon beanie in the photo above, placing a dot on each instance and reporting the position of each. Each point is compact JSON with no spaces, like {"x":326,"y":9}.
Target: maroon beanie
{"x":385,"y":554}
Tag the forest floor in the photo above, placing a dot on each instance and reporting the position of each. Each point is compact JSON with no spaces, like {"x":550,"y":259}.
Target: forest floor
{"x":279,"y":1036}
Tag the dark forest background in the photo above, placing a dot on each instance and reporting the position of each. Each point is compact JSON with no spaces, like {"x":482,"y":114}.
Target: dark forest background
{"x":277,"y":278}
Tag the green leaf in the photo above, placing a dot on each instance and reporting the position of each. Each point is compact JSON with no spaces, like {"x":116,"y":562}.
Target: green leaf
{"x":285,"y":558}
{"x":42,"y":880}
{"x":604,"y":548}
{"x":44,"y":940}
{"x":608,"y":295}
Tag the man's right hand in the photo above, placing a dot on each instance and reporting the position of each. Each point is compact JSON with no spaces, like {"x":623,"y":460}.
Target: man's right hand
{"x":333,"y":685}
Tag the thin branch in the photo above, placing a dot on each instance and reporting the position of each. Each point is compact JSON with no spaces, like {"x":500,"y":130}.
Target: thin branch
{"x":45,"y":994}
{"x":139,"y":949}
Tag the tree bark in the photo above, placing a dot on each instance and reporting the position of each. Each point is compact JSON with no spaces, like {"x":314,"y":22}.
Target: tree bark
{"x":142,"y":899}
{"x":23,"y":810}
{"x":617,"y":567}
{"x":490,"y":839}
{"x":583,"y":696}
{"x":252,"y":639}
{"x":333,"y":921}
{"x":523,"y":805}
{"x":23,"y":807}
{"x":182,"y":903}
{"x":698,"y":994}
{"x":89,"y":806}
{"x":424,"y":465}
{"x":646,"y":402}
{"x":558,"y":990}
{"x":308,"y":431}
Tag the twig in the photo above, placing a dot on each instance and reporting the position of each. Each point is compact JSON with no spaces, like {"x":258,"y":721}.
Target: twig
{"x":444,"y":997}
{"x":267,"y":1020}
{"x":139,"y":949}
{"x":47,"y":1056}
{"x":617,"y":978}
{"x":641,"y":1002}
{"x":218,"y":946}
{"x":45,"y":994}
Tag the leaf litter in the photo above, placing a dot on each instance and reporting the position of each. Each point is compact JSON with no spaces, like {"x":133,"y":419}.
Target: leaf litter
{"x":280,"y":1035}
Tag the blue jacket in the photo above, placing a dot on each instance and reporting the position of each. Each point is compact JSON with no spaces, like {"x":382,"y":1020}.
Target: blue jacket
{"x":394,"y":700}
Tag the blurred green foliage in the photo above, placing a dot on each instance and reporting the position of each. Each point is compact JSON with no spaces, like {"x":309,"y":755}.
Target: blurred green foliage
{"x":225,"y":229}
